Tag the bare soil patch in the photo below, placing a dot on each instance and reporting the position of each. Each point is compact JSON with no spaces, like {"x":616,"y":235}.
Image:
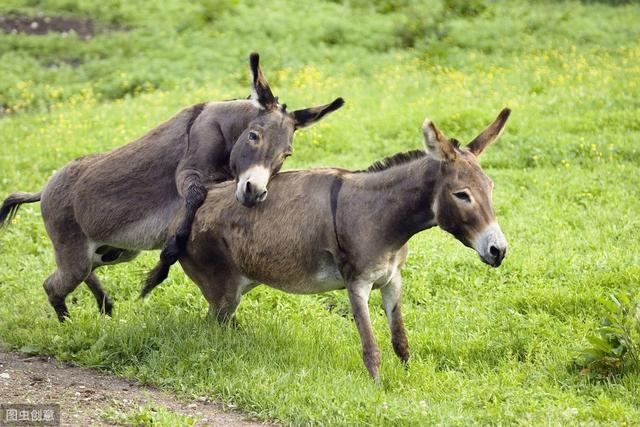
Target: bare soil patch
{"x":83,"y":394}
{"x":43,"y":24}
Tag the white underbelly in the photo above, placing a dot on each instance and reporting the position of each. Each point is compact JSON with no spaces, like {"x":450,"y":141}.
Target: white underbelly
{"x":326,"y":278}
{"x":309,"y":287}
{"x":149,"y":232}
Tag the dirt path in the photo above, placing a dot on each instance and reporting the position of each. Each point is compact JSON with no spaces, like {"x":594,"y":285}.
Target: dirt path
{"x":83,"y":394}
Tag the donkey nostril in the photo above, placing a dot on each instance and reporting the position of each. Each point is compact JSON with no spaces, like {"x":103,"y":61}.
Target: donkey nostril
{"x":247,"y":187}
{"x":262,"y":196}
{"x":495,"y":252}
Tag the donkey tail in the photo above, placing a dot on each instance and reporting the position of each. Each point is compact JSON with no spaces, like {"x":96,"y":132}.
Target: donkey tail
{"x":12,"y":203}
{"x":155,"y":277}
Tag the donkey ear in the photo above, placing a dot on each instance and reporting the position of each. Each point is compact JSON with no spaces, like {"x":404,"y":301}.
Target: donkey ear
{"x":437,"y":145}
{"x":490,"y":134}
{"x":261,"y":91}
{"x":309,"y":116}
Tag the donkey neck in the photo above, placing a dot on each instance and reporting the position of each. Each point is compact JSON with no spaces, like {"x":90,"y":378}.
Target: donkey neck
{"x":212,"y":136}
{"x":235,"y":118}
{"x":399,"y":200}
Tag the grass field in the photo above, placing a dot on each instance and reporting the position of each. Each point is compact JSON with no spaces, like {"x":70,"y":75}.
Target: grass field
{"x":488,"y":346}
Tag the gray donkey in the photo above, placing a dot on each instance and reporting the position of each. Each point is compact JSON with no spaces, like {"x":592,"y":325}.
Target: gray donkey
{"x":327,"y":229}
{"x":106,"y":208}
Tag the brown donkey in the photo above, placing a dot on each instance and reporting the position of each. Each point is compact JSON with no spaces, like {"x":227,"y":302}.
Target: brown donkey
{"x":326,"y":229}
{"x":106,"y":208}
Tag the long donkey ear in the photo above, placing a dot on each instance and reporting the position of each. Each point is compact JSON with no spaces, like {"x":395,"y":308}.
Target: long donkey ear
{"x":261,"y":90}
{"x":490,"y":134}
{"x":437,"y":145}
{"x":309,"y":116}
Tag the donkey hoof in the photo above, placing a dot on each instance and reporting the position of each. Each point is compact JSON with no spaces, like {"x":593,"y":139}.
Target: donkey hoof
{"x":61,"y":309}
{"x":229,"y":322}
{"x":107,"y":308}
{"x":62,"y":316}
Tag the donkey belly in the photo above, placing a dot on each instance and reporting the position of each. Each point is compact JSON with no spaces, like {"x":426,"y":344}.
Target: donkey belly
{"x":147,"y":233}
{"x":313,"y":285}
{"x":325,"y":277}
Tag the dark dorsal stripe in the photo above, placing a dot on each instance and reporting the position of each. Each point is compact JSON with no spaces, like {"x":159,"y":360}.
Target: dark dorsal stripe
{"x":395,"y":160}
{"x":336,"y":185}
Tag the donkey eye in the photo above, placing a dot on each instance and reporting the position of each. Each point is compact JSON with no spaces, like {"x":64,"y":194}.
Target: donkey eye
{"x":462,"y":195}
{"x":253,"y":136}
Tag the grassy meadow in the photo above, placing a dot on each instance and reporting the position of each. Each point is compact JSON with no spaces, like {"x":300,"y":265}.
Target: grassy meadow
{"x":489,"y":346}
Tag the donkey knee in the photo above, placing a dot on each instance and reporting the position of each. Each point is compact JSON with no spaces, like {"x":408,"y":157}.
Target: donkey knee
{"x":195,"y":197}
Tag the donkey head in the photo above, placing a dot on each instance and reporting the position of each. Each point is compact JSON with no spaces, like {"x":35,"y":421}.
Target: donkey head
{"x":462,"y":197}
{"x":263,"y":146}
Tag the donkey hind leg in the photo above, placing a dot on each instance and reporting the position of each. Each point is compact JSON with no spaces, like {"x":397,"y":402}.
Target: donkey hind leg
{"x":106,"y":255}
{"x":392,"y":300}
{"x":73,"y":268}
{"x":175,"y":245}
{"x":105,"y":304}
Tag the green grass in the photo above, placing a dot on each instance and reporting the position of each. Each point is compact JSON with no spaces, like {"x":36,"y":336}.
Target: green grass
{"x":146,"y":416}
{"x":488,"y":346}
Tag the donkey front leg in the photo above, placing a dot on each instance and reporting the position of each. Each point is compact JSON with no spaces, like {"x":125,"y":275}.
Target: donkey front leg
{"x":392,"y":300}
{"x":220,"y":286}
{"x":194,"y":193}
{"x":224,"y":300}
{"x":359,"y":297}
{"x":224,"y":309}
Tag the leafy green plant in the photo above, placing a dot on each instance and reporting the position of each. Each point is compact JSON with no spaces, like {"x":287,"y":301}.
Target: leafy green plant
{"x":614,"y":346}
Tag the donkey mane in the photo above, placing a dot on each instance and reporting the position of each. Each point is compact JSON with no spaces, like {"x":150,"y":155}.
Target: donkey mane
{"x":236,"y":99}
{"x":283,"y":107}
{"x":395,"y":160}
